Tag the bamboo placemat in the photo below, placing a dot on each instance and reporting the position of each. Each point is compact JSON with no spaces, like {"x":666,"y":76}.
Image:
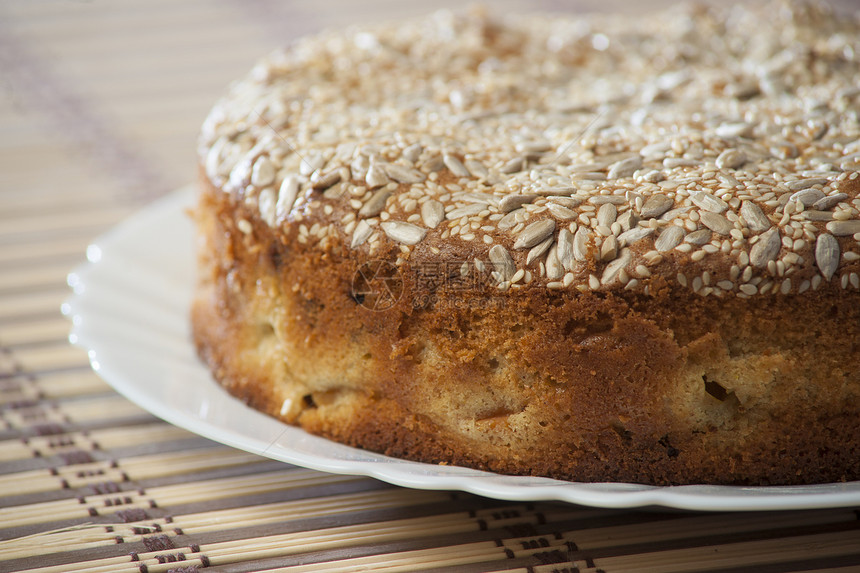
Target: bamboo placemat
{"x":100,"y":106}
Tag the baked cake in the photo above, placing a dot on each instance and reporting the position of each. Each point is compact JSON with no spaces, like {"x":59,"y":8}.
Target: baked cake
{"x":592,"y":248}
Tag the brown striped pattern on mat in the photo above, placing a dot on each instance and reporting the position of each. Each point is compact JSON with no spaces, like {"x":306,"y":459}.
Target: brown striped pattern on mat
{"x":100,"y":105}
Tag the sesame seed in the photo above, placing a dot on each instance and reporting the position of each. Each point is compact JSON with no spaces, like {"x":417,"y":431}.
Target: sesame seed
{"x":245,"y":226}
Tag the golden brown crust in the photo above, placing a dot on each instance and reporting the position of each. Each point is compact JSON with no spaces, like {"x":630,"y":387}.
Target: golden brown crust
{"x":580,"y":387}
{"x":638,"y":260}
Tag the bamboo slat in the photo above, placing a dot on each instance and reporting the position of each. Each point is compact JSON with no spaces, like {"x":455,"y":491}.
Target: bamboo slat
{"x":101,"y":104}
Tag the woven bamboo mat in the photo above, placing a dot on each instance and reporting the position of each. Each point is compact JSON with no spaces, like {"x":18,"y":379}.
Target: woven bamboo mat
{"x":99,"y":109}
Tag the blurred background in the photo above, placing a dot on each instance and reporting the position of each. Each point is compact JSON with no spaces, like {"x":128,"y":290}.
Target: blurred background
{"x":106,"y":98}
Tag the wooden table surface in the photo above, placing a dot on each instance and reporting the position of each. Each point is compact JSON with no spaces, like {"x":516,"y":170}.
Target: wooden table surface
{"x":100,"y":106}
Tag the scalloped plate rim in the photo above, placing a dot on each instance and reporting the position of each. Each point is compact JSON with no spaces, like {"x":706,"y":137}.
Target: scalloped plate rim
{"x":112,"y":362}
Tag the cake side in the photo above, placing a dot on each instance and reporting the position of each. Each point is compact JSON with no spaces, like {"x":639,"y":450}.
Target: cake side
{"x":552,"y":246}
{"x":580,"y":387}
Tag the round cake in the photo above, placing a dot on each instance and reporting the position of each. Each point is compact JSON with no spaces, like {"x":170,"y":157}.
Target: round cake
{"x":548,"y":245}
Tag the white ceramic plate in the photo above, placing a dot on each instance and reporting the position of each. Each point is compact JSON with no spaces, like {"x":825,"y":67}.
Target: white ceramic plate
{"x":130,"y":311}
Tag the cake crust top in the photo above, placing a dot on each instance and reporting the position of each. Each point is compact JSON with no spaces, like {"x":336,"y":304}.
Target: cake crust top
{"x":720,"y":150}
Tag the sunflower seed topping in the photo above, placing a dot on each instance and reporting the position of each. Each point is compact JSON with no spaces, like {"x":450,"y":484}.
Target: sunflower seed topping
{"x":375,"y":204}
{"x":503,"y":262}
{"x":565,"y":249}
{"x":287,"y":194}
{"x":263,"y":173}
{"x":625,"y":167}
{"x":766,"y":248}
{"x":609,"y":248}
{"x":311,"y":163}
{"x":698,"y":238}
{"x":708,"y":202}
{"x":530,"y":147}
{"x":808,"y":197}
{"x":627,"y":220}
{"x":580,"y":244}
{"x":754,"y":217}
{"x":561,"y":212}
{"x":655,"y":206}
{"x":614,"y":269}
{"x":403,"y":174}
{"x":412,"y":152}
{"x":511,"y":202}
{"x":554,"y":270}
{"x":509,"y":221}
{"x":606,"y":214}
{"x":455,"y":165}
{"x":376,"y":176}
{"x":360,"y":234}
{"x":321,"y":182}
{"x":670,"y":238}
{"x":465,"y":211}
{"x":805,"y":183}
{"x":432,"y":213}
{"x":673,"y":162}
{"x":813,"y":215}
{"x":266,"y":203}
{"x":827,"y":255}
{"x":749,"y":189}
{"x":716,"y":223}
{"x":733,"y":130}
{"x":538,"y":250}
{"x":513,"y":165}
{"x":731,"y":159}
{"x":534,"y":234}
{"x":829,"y":202}
{"x":477,"y":169}
{"x":405,"y":233}
{"x":560,"y":190}
{"x":634,"y":235}
{"x":844,"y":228}
{"x":604,"y":199}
